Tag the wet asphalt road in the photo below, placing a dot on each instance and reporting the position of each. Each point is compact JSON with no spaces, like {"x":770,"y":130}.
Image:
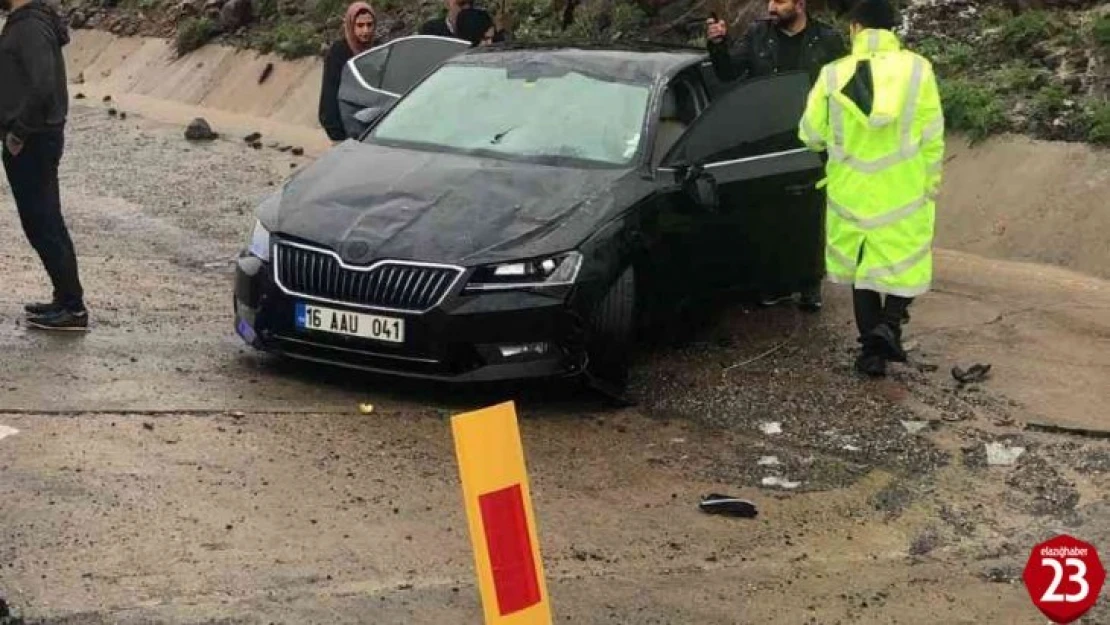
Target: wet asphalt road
{"x":164,"y":473}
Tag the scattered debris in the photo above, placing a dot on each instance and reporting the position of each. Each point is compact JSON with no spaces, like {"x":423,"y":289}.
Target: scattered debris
{"x":913,"y":427}
{"x":200,"y":130}
{"x":123,"y":115}
{"x":769,"y":461}
{"x":112,"y":112}
{"x":238,"y":414}
{"x":779,"y":482}
{"x":298,"y":151}
{"x":925,"y":543}
{"x":252,"y":137}
{"x":107,"y":99}
{"x":148,"y":426}
{"x":1051,"y":428}
{"x":999,"y":455}
{"x":678,"y":441}
{"x":728,"y":506}
{"x":770,"y":428}
{"x":6,"y":431}
{"x":285,"y":148}
{"x":1002,"y":575}
{"x":79,"y":96}
{"x":366,"y":408}
{"x":257,"y":145}
{"x":266,"y":71}
{"x":852,"y":448}
{"x":975,"y":373}
{"x":79,"y":79}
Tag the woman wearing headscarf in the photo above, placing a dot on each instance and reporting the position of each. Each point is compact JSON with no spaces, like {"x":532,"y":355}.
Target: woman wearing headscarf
{"x":358,"y":37}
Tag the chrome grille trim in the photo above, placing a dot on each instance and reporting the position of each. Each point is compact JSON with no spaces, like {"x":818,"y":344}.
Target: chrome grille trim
{"x":320,"y":275}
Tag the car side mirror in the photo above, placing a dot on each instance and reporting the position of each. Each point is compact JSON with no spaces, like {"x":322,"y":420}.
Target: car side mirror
{"x":702,"y":187}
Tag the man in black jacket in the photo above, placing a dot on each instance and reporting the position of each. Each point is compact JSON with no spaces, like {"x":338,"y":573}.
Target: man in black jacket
{"x":788,"y":40}
{"x":34,"y":103}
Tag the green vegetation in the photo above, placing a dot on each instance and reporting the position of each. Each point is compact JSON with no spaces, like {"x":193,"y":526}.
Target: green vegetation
{"x":1020,"y":33}
{"x":972,"y":109}
{"x":1100,"y":124}
{"x":291,"y":40}
{"x":192,"y":33}
{"x":1100,"y":30}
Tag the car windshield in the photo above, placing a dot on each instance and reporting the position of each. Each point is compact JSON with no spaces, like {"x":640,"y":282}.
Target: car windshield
{"x":542,"y":115}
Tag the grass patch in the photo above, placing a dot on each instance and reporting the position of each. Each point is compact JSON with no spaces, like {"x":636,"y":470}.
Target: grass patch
{"x":194,"y":32}
{"x":1100,"y":124}
{"x":1100,"y":30}
{"x":291,"y":40}
{"x":1017,"y":78}
{"x":971,"y":109}
{"x":1020,"y":33}
{"x":1049,"y":102}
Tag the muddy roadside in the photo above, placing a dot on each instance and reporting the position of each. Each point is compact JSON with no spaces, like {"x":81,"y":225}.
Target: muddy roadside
{"x":162,"y":473}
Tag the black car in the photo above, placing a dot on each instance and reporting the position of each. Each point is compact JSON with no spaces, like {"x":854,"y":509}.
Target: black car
{"x":513,"y":214}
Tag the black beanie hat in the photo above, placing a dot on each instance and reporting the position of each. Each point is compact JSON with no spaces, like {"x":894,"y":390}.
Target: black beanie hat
{"x":874,"y":14}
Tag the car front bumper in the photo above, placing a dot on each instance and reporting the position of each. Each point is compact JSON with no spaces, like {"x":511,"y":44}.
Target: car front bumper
{"x":460,"y":340}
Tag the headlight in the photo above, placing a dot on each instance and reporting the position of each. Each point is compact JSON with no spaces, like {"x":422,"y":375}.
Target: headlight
{"x":559,"y":270}
{"x":260,"y":242}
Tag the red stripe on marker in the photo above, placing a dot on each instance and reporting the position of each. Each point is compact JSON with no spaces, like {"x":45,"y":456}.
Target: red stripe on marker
{"x":510,"y":549}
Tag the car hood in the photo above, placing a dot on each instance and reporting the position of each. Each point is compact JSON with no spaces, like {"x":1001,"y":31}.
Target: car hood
{"x":369,"y":202}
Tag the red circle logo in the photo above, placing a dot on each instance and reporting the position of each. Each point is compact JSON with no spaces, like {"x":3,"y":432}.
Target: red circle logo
{"x":1064,"y":577}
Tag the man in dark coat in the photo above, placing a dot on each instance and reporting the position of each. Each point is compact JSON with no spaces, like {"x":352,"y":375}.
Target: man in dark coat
{"x":34,"y":104}
{"x":787,"y":40}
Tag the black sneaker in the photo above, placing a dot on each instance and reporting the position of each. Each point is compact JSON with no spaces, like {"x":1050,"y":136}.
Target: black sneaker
{"x":62,"y":320}
{"x":39,"y":309}
{"x":889,"y":341}
{"x":810,"y":300}
{"x":774,"y":299}
{"x":871,"y":364}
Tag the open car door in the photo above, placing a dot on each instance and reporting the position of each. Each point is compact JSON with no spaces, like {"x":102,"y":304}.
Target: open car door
{"x":760,"y":215}
{"x":375,"y":79}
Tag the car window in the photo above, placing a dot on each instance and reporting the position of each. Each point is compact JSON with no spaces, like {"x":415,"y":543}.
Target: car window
{"x":757,"y":117}
{"x":371,"y":66}
{"x":551,"y":114}
{"x":412,"y":59}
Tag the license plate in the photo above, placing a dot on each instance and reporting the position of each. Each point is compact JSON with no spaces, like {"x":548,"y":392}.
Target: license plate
{"x":374,"y":327}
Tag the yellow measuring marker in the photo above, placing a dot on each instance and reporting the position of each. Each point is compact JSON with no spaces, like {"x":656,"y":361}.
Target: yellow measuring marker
{"x":502,"y":522}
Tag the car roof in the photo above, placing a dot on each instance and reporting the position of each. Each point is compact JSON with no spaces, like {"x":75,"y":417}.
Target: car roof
{"x":635,"y":61}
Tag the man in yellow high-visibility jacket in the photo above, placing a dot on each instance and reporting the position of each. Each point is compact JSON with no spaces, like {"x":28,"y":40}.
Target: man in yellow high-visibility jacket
{"x":878,"y":113}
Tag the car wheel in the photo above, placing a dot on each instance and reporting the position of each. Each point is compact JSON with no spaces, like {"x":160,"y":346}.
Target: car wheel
{"x":611,"y":333}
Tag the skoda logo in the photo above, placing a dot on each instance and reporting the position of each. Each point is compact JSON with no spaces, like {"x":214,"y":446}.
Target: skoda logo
{"x":358,"y":250}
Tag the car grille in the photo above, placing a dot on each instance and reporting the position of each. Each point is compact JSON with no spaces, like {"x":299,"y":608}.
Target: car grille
{"x":394,"y":285}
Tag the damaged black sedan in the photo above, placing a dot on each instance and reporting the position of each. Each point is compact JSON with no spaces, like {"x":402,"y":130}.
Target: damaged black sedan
{"x":517,"y":211}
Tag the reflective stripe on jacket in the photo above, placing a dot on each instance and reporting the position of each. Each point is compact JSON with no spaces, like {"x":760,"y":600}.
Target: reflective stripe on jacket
{"x":885,"y":164}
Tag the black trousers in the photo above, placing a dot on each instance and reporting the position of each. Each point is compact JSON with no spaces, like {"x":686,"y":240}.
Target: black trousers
{"x":872,"y":308}
{"x":33,"y":177}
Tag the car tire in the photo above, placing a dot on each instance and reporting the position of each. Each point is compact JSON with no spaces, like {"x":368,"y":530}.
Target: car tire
{"x":611,"y":332}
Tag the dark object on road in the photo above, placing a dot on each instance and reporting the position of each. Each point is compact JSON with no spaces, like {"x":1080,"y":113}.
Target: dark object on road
{"x":976,"y":373}
{"x":107,"y":98}
{"x":252,"y":137}
{"x":285,"y":148}
{"x":489,"y":241}
{"x":79,"y":96}
{"x":1066,"y":429}
{"x":123,"y":115}
{"x":298,"y":151}
{"x":148,"y":426}
{"x":199,"y":130}
{"x":269,"y":69}
{"x":112,"y":112}
{"x":6,"y":615}
{"x":728,"y":506}
{"x":257,"y":145}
